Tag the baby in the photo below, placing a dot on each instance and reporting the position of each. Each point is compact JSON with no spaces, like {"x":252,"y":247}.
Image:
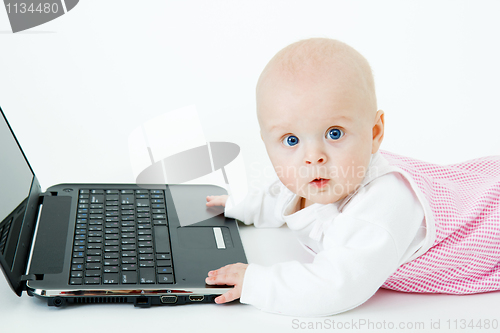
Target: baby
{"x":371,"y":218}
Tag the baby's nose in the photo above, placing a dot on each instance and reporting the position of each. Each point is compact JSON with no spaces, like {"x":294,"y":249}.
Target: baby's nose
{"x":315,"y":158}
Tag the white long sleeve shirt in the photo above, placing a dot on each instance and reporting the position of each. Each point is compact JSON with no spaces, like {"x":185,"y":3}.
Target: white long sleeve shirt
{"x":357,"y":245}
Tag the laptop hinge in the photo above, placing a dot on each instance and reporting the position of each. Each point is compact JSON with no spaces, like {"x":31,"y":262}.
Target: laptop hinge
{"x":28,"y":277}
{"x":31,"y":277}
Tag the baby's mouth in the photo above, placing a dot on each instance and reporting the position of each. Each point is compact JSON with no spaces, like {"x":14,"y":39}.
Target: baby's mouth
{"x":319,"y":182}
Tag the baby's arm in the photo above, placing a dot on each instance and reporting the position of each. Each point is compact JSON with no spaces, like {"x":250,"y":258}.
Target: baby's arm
{"x":258,"y":207}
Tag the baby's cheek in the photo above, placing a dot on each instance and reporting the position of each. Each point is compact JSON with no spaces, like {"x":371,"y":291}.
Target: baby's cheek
{"x":290,"y":182}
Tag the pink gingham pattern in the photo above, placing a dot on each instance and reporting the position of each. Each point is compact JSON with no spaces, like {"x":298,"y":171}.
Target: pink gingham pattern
{"x":465,"y":201}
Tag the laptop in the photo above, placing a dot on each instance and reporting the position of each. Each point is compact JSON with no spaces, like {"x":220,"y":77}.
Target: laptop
{"x":109,"y":243}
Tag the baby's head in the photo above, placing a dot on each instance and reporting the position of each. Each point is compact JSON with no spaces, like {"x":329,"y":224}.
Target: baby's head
{"x":318,"y":117}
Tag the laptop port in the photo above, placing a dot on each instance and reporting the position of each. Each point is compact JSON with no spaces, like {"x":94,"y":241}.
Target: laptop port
{"x":196,"y":298}
{"x":168,"y":299}
{"x":142,"y":302}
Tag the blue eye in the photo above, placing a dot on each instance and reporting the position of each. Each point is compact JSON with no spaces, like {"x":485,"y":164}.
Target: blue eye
{"x":290,"y":140}
{"x":335,"y":134}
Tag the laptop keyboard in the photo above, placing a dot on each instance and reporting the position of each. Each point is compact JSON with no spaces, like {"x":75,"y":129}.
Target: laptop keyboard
{"x":121,"y":237}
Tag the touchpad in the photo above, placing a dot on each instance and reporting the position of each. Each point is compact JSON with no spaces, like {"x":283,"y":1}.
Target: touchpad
{"x":204,"y":237}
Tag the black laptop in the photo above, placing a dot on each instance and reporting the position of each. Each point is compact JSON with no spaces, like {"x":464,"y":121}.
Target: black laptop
{"x":109,"y":243}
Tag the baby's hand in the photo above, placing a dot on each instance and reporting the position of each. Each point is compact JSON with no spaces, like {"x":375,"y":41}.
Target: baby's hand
{"x":216,"y":200}
{"x":231,"y":275}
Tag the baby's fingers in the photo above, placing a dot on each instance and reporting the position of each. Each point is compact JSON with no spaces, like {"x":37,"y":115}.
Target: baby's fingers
{"x":229,"y":296}
{"x":227,"y":279}
{"x":216,"y":200}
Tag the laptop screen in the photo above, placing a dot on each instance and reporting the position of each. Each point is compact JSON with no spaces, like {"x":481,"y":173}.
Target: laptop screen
{"x":16,"y":178}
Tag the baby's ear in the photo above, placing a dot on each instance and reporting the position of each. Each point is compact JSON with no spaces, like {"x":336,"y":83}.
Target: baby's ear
{"x":378,"y":131}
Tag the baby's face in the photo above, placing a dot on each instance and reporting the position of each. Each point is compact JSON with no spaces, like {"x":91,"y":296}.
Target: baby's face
{"x":319,"y":136}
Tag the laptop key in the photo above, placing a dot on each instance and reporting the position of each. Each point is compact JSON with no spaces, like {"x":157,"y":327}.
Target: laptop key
{"x":148,"y":256}
{"x":144,"y":263}
{"x":95,"y":227}
{"x":111,"y":230}
{"x":147,"y":275}
{"x":111,"y":236}
{"x":92,"y":273}
{"x":164,"y":270}
{"x":127,"y":199}
{"x":143,"y":250}
{"x":129,"y":267}
{"x":160,"y":222}
{"x":165,"y":278}
{"x":111,"y":248}
{"x":75,"y":281}
{"x":111,"y":255}
{"x":129,"y":254}
{"x":129,"y":260}
{"x":92,"y":280}
{"x":128,"y":247}
{"x":162,"y":242}
{"x":128,"y":224}
{"x":162,"y":263}
{"x":113,"y":197}
{"x":110,"y":269}
{"x":142,"y":203}
{"x":162,"y":256}
{"x":93,"y":266}
{"x":93,"y":259}
{"x":110,"y":278}
{"x":78,"y":254}
{"x":94,"y":252}
{"x":146,"y":244}
{"x":129,"y":277}
{"x":110,"y":262}
{"x":95,"y":240}
{"x":80,"y":231}
{"x":129,"y":241}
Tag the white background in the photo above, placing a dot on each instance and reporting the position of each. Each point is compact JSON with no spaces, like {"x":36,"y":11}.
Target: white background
{"x":74,"y":88}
